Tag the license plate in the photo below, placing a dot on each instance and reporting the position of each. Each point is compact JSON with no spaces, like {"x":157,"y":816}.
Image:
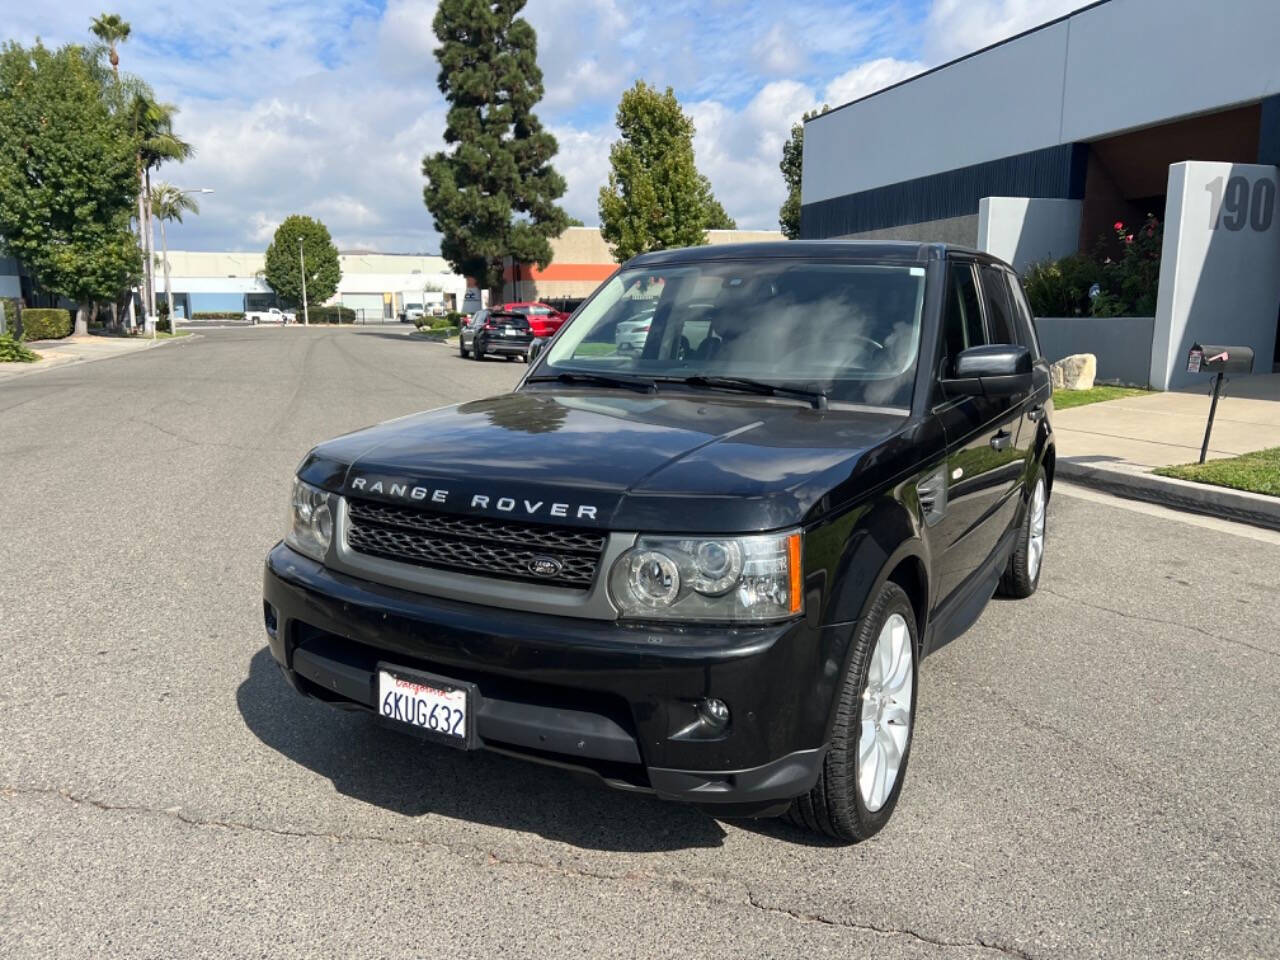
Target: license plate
{"x":507,"y":331}
{"x":429,"y":705}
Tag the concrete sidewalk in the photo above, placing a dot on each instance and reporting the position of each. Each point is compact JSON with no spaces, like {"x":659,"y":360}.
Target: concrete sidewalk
{"x":59,"y":353}
{"x":1115,"y":445}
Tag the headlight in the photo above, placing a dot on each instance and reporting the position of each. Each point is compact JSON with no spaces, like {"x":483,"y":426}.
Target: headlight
{"x":713,"y":578}
{"x":310,"y":521}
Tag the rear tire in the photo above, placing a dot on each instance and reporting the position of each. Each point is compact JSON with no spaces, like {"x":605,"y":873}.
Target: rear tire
{"x":1022,"y":575}
{"x":477,"y":349}
{"x":875,"y":717}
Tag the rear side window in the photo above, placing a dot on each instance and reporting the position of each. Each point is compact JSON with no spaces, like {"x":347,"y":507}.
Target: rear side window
{"x":999,"y":313}
{"x":962,"y":317}
{"x":1022,"y":316}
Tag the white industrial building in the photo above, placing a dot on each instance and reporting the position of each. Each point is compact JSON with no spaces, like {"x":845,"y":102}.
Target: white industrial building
{"x":374,"y":284}
{"x":1033,"y":148}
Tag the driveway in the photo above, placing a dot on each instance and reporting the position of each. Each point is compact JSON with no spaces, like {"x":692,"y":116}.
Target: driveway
{"x":1095,"y":770}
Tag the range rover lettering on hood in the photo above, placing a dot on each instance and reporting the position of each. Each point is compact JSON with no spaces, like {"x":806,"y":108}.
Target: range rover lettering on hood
{"x":475,"y":501}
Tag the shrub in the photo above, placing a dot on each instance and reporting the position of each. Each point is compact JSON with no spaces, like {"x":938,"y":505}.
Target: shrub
{"x":455,"y":318}
{"x":1126,"y":285}
{"x":1130,"y":283}
{"x":218,"y":315}
{"x":333,"y":314}
{"x":42,"y":324}
{"x":1060,"y":288}
{"x":11,"y":351}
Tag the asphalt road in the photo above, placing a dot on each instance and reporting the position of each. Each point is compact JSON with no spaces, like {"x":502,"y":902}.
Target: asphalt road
{"x":1095,"y":772}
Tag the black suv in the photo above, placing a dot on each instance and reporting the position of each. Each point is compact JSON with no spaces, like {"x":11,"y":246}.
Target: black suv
{"x":707,"y":567}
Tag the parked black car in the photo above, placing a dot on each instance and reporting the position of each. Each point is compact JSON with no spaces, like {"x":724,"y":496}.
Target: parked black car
{"x":495,"y":332}
{"x":707,"y":568}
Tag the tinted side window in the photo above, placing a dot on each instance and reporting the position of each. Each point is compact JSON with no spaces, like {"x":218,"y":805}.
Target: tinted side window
{"x":1022,"y":316}
{"x":962,"y":319}
{"x":999,"y":315}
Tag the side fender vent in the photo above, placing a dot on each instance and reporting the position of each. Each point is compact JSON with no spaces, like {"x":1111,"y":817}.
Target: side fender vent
{"x":932,"y":491}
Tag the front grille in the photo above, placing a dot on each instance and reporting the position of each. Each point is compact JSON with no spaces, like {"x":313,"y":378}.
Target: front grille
{"x":493,"y":548}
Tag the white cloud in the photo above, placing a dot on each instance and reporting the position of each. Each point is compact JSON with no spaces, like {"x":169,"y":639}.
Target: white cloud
{"x":327,"y":107}
{"x":869,"y":77}
{"x":739,"y":150}
{"x":584,"y":163}
{"x":956,"y":27}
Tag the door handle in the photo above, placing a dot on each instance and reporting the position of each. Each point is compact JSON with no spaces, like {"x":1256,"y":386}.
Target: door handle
{"x":1035,"y":413}
{"x":1001,"y":441}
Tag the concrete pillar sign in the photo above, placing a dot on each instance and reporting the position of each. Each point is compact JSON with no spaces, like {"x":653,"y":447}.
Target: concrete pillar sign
{"x":1025,"y":230}
{"x":1219,"y":268}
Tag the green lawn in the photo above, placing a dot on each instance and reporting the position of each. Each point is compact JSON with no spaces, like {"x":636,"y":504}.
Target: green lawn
{"x":1066,"y":399}
{"x":1257,"y":472}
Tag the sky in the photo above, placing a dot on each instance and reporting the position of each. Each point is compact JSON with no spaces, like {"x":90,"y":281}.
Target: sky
{"x":326,"y":107}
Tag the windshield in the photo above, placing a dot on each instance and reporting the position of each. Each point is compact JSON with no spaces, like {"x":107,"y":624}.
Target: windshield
{"x":849,"y":330}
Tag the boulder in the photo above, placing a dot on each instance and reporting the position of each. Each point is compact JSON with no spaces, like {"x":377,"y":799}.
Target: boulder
{"x":1075,"y":372}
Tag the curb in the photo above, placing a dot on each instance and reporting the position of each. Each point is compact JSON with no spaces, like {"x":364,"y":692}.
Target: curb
{"x":1221,"y":502}
{"x":48,"y":363}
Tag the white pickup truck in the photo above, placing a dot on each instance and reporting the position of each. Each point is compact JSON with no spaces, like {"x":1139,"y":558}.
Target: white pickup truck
{"x":274,"y":315}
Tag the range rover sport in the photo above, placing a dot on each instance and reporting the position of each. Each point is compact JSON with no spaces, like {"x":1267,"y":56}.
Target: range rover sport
{"x":706,"y":567}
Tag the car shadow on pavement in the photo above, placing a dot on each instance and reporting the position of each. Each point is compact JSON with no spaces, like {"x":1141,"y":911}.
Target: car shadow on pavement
{"x":401,"y":773}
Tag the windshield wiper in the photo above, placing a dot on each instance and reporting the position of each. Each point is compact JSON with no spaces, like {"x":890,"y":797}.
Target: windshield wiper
{"x":600,"y":379}
{"x":817,"y":398}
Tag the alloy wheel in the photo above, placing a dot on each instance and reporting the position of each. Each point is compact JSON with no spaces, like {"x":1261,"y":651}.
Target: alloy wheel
{"x":1035,"y":531}
{"x":886,"y":713}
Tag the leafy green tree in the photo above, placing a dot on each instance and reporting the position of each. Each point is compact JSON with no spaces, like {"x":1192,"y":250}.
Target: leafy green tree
{"x":493,"y":192}
{"x":284,"y":272}
{"x":791,"y":167}
{"x":655,"y":198}
{"x":66,"y":176}
{"x":718,"y":218}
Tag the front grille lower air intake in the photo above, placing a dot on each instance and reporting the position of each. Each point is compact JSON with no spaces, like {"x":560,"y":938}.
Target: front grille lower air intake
{"x":503,"y":549}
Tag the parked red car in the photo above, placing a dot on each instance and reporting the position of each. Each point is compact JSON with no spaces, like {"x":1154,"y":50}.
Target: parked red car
{"x":543,"y":319}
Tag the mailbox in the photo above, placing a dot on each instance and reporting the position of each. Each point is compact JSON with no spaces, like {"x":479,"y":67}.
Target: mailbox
{"x":1216,"y":358}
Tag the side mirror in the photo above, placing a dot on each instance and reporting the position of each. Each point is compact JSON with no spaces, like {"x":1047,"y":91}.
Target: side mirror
{"x":993,"y":370}
{"x":535,"y":348}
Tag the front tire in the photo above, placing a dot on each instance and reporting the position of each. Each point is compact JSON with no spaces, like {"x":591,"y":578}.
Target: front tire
{"x":863,"y":772}
{"x":462,"y":351}
{"x":1022,"y":575}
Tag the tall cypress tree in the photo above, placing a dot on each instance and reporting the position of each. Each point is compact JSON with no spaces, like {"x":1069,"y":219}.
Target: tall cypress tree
{"x":492,"y":192}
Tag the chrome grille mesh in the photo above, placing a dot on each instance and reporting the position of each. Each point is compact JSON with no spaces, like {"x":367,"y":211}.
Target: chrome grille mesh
{"x":493,"y":548}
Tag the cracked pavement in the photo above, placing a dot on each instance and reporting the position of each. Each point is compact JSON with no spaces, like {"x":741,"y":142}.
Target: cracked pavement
{"x":1095,"y":771}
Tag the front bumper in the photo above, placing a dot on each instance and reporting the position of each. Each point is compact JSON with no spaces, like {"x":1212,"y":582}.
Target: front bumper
{"x":617,"y":700}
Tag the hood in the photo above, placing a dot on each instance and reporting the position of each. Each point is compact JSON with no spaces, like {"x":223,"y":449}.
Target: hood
{"x":610,"y":458}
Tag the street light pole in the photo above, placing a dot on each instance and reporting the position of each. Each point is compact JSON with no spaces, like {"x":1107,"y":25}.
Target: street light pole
{"x":306,"y":316}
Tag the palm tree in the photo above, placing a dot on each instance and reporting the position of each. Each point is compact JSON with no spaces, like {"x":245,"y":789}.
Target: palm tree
{"x":111,"y":29}
{"x":169,"y":203}
{"x":157,"y":143}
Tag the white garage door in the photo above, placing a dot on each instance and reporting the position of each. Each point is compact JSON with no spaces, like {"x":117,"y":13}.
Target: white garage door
{"x":369,"y":303}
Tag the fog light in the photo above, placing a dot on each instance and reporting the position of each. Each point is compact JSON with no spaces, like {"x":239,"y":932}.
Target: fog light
{"x":714,"y":712}
{"x":269,"y":618}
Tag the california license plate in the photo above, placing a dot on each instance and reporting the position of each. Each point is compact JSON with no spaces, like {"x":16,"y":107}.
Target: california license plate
{"x":507,"y":331}
{"x":429,"y":705}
